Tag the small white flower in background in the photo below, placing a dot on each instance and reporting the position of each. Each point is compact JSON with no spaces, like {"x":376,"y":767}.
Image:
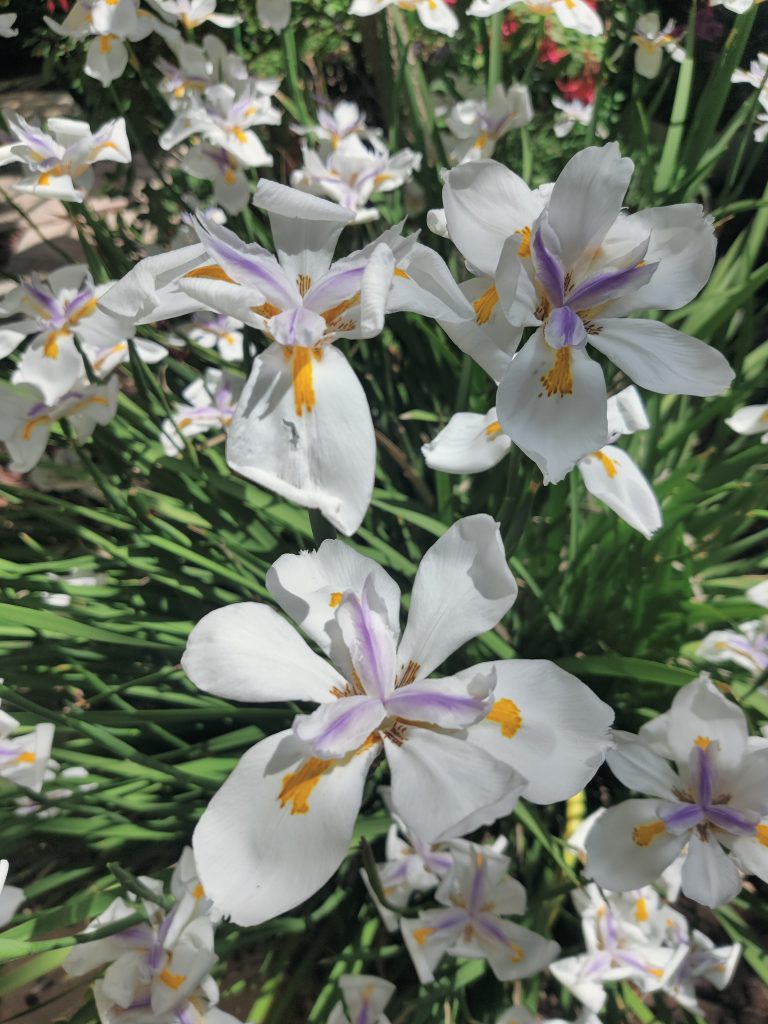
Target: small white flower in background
{"x":353,"y":171}
{"x":750,"y":420}
{"x":736,"y":6}
{"x":570,"y":113}
{"x":26,"y":420}
{"x":287,"y":812}
{"x":576,"y":15}
{"x":74,"y":578}
{"x":337,"y":124}
{"x":60,"y":159}
{"x":219,"y":331}
{"x":24,"y":759}
{"x":651,"y":40}
{"x":198,"y":68}
{"x":476,"y":124}
{"x":26,"y":805}
{"x":157,"y":971}
{"x":435,"y":15}
{"x":208,"y":405}
{"x":519,"y":1015}
{"x":302,"y":427}
{"x":471,"y":443}
{"x":758,"y":594}
{"x":569,"y":262}
{"x":756,"y":77}
{"x":619,"y":945}
{"x":110,"y":23}
{"x":714,"y":800}
{"x":57,"y":312}
{"x":274,"y":14}
{"x":7,"y":31}
{"x":746,"y":646}
{"x":11,"y":897}
{"x":194,"y":13}
{"x":364,"y":999}
{"x":477,"y":895}
{"x":703,"y":961}
{"x":411,"y":866}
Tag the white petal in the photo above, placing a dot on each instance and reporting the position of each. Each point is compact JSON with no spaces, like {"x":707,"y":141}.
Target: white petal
{"x":554,"y":429}
{"x":628,"y":846}
{"x":523,"y":954}
{"x":699,"y":711}
{"x":55,"y":373}
{"x":546,"y":724}
{"x":612,"y":476}
{"x":365,"y":994}
{"x":269,"y":839}
{"x":710,"y":876}
{"x":587,"y":198}
{"x":443,"y":786}
{"x":637,"y":766}
{"x":248,"y":652}
{"x":321,"y":454}
{"x":751,"y":852}
{"x":659,"y":358}
{"x":626,"y":412}
{"x":488,"y":337}
{"x":750,"y":419}
{"x":463,"y":587}
{"x":469,"y":443}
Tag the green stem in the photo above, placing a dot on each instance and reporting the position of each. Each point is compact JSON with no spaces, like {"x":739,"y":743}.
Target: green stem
{"x":494,"y":52}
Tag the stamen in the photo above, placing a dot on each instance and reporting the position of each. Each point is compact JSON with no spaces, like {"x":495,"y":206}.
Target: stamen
{"x":506,"y":714}
{"x":524,"y":251}
{"x":335,"y":599}
{"x":485,"y":305}
{"x":608,"y":464}
{"x":493,"y":429}
{"x":212,"y":272}
{"x":559,"y":380}
{"x":644,"y":835}
{"x":410,"y":673}
{"x":303,"y":283}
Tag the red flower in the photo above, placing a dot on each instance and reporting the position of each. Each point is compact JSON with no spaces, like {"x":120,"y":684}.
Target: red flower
{"x":509,"y":26}
{"x":63,"y":6}
{"x":583,"y":88}
{"x":550,"y":52}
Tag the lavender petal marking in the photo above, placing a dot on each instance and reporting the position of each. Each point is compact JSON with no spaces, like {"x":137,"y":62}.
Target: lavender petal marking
{"x":609,"y":285}
{"x":597,"y":964}
{"x":342,"y":726}
{"x":373,"y":661}
{"x":548,"y":271}
{"x":564,"y":327}
{"x":334,"y":288}
{"x":418,"y":705}
{"x":683,"y":817}
{"x":492,"y":928}
{"x":252,"y":270}
{"x":703,"y":775}
{"x":478,"y":886}
{"x":624,"y":957}
{"x":80,"y":300}
{"x":731,"y":820}
{"x":47,"y":302}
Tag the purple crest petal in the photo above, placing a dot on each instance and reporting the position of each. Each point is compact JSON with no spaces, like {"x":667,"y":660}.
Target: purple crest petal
{"x":338,"y":727}
{"x":610,"y":285}
{"x":563,"y":327}
{"x":548,"y":271}
{"x":492,"y":928}
{"x":48,"y":303}
{"x":703,"y":772}
{"x":731,"y":820}
{"x":419,"y":704}
{"x":251,"y":269}
{"x":683,"y":817}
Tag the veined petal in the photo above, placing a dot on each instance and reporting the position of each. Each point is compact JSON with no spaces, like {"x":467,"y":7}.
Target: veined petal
{"x":429,"y":936}
{"x":700,"y":715}
{"x":587,"y":198}
{"x":463,"y":587}
{"x":552,"y":404}
{"x":628,"y":846}
{"x":487,"y":336}
{"x":469,"y":443}
{"x":639,"y":768}
{"x":613,"y":477}
{"x":610,"y":284}
{"x":546,"y":724}
{"x":248,"y":652}
{"x":425,"y":286}
{"x":512,"y":951}
{"x":659,"y":358}
{"x":365,"y":997}
{"x":278,"y":828}
{"x":309,"y":587}
{"x":443,"y":786}
{"x":340,"y":727}
{"x":371,"y":643}
{"x":52,"y":364}
{"x":710,"y":875}
{"x":148,"y":292}
{"x":450,"y":703}
{"x":303,"y":428}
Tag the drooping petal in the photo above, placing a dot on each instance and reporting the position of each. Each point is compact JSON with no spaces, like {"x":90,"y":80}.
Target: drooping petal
{"x":278,"y":828}
{"x":552,"y":404}
{"x":303,"y":428}
{"x":463,"y":587}
{"x":469,"y":443}
{"x":546,"y":724}
{"x":248,"y":652}
{"x":659,"y":358}
{"x":710,"y":876}
{"x":628,"y":846}
{"x":443,"y":786}
{"x":613,"y":477}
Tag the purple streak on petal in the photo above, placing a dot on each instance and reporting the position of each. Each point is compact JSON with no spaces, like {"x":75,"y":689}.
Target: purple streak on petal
{"x":548,"y":271}
{"x":165,"y":926}
{"x":683,"y":817}
{"x":49,"y":304}
{"x":81,"y":299}
{"x":187,"y":1015}
{"x":731,"y":820}
{"x":703,"y":775}
{"x":437,"y":862}
{"x":597,"y":964}
{"x":327,"y":292}
{"x":442,"y":709}
{"x":364,"y":1017}
{"x":610,"y":285}
{"x":154,"y":956}
{"x":352,"y":719}
{"x":369,"y":661}
{"x":563,"y":327}
{"x":492,"y":927}
{"x":394,"y":872}
{"x":140,"y":1004}
{"x":477,"y":890}
{"x":609,"y":928}
{"x":250,"y":269}
{"x":624,"y":957}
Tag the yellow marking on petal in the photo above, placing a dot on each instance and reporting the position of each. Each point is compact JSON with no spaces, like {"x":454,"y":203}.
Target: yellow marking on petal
{"x":239,"y":134}
{"x":30,"y":426}
{"x":267,"y":310}
{"x":485,"y":305}
{"x":51,"y":347}
{"x":608,"y":464}
{"x":335,"y":599}
{"x":517,"y":953}
{"x":27,"y":757}
{"x":229,"y":176}
{"x":211,"y":272}
{"x":184,"y":423}
{"x":644,"y":835}
{"x":297,"y":786}
{"x":381,"y":178}
{"x":44,"y":179}
{"x":98,"y":363}
{"x":506,"y":714}
{"x":641,"y":909}
{"x":482,"y":140}
{"x":198,"y":892}
{"x":105,"y":43}
{"x":332,"y":315}
{"x":763,"y":417}
{"x":761,"y":834}
{"x":702,"y":742}
{"x":493,"y":429}
{"x":303,"y":387}
{"x":524,"y":251}
{"x":422,"y":934}
{"x":173,"y":981}
{"x":559,"y":380}
{"x":399,"y":272}
{"x":303,"y":283}
{"x":84,"y":311}
{"x":93,"y":400}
